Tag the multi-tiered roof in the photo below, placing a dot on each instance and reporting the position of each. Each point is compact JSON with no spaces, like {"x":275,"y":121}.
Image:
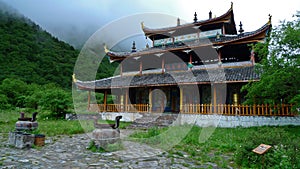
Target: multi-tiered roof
{"x":233,"y":64}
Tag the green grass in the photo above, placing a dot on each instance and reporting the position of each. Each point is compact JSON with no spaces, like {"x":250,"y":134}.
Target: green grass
{"x":232,"y":146}
{"x":51,"y":127}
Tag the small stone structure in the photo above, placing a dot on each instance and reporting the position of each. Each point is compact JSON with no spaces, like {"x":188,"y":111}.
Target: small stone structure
{"x":106,"y":133}
{"x":102,"y":137}
{"x":19,"y":138}
{"x":27,"y":123}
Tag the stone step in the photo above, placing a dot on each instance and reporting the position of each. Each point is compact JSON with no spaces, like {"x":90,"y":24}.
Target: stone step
{"x":153,"y":120}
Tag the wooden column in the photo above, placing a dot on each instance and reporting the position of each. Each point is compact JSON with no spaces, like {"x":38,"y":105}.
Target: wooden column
{"x":121,"y":69}
{"x":223,"y":30}
{"x":150,"y":100}
{"x":181,"y":99}
{"x":105,"y":100}
{"x":141,"y":67}
{"x":163,"y":65}
{"x":219,"y":56}
{"x":89,"y":100}
{"x":126,"y":99}
{"x":153,"y":42}
{"x":122,"y":102}
{"x":215,"y":98}
{"x":191,"y":60}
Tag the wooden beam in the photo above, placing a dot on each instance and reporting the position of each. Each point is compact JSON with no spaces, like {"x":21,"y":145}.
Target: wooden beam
{"x":181,"y":99}
{"x":105,"y":100}
{"x":150,"y":99}
{"x":219,"y":56}
{"x":215,"y":98}
{"x":126,"y":99}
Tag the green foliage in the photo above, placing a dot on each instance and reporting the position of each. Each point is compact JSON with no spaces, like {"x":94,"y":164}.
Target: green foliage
{"x":4,"y":102}
{"x":14,"y":90}
{"x":56,"y":100}
{"x":48,"y":98}
{"x":31,"y":54}
{"x":279,"y":67}
{"x":283,"y":153}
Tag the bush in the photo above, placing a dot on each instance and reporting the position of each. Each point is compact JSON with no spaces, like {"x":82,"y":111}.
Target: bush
{"x":57,"y":101}
{"x":4,"y":102}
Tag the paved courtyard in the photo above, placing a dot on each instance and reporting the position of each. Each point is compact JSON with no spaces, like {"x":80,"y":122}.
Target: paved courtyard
{"x":71,"y":152}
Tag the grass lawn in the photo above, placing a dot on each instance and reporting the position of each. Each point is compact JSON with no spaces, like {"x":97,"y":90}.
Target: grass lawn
{"x":232,"y":146}
{"x":50,"y":127}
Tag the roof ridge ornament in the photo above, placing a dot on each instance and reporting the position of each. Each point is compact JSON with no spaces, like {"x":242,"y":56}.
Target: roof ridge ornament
{"x":195,"y":17}
{"x":231,"y":7}
{"x":270,"y":19}
{"x":106,"y":50}
{"x":74,"y":78}
{"x":142,"y":25}
{"x":241,"y":28}
{"x":133,"y":49}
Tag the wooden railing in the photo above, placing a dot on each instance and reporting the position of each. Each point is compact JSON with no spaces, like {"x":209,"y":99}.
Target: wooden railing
{"x":119,"y":108}
{"x":241,"y":110}
{"x":221,"y":109}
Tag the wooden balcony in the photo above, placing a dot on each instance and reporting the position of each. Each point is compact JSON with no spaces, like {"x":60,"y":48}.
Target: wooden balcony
{"x":220,"y":109}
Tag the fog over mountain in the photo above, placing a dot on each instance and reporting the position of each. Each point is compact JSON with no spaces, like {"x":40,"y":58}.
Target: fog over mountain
{"x":74,"y":21}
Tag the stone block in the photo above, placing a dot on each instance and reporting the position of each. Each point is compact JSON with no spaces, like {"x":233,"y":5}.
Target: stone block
{"x":102,"y":137}
{"x":21,"y":139}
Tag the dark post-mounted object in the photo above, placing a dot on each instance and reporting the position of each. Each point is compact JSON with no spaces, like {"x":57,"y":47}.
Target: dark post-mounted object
{"x":113,"y":126}
{"x":23,"y":118}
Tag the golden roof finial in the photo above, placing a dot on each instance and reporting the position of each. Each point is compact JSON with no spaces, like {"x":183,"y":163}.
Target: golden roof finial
{"x":142,"y":25}
{"x":106,"y":50}
{"x":270,"y":19}
{"x":74,"y":78}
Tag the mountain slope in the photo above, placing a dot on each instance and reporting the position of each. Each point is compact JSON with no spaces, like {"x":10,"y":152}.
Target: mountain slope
{"x":31,"y":54}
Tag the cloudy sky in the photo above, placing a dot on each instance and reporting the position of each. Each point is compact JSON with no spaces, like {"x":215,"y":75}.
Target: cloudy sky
{"x":76,"y":20}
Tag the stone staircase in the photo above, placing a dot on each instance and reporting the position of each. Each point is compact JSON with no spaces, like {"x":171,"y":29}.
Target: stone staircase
{"x":150,"y":120}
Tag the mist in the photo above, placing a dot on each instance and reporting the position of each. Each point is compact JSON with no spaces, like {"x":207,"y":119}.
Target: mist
{"x":75,"y":21}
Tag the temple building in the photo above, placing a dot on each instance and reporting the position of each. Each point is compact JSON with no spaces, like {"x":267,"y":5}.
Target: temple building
{"x":197,"y":67}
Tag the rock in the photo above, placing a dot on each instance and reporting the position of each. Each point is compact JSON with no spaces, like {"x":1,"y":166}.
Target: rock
{"x":102,"y":137}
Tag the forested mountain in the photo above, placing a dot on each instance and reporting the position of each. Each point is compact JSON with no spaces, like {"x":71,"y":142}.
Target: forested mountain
{"x":33,"y":55}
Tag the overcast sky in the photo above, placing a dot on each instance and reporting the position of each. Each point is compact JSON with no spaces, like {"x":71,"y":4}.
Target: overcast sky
{"x":73,"y":19}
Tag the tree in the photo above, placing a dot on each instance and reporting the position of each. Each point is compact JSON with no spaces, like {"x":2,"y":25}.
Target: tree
{"x":279,"y":68}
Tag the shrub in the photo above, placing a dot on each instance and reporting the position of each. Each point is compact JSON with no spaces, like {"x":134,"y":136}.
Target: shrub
{"x":57,"y":101}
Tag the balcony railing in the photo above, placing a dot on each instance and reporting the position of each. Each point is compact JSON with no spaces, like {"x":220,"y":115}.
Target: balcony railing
{"x":220,"y":109}
{"x":240,"y":110}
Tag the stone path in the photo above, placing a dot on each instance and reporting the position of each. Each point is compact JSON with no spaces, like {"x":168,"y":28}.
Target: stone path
{"x":69,"y":152}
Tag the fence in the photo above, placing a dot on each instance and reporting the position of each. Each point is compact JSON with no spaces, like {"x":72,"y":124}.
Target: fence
{"x":222,"y":109}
